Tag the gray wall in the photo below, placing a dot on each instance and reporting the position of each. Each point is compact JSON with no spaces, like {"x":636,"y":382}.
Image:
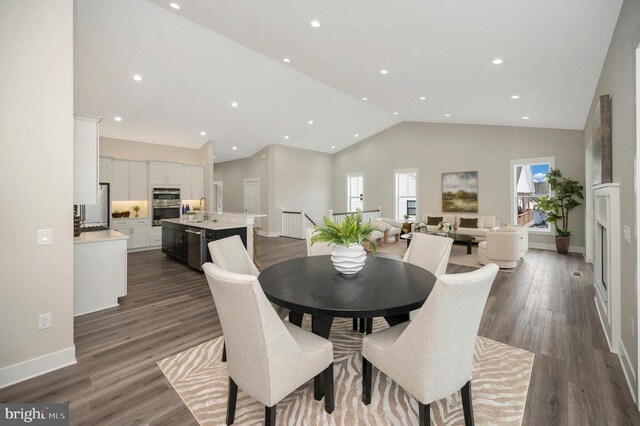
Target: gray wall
{"x":437,"y":148}
{"x":303,"y":180}
{"x":617,"y":79}
{"x":36,"y":166}
{"x":290,"y":178}
{"x":233,"y":173}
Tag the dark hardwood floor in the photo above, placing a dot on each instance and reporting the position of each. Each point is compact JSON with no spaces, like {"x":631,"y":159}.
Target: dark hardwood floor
{"x":542,"y":307}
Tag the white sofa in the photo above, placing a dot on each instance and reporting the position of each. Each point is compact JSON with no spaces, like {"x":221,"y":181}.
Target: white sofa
{"x":393,"y":228}
{"x":486,"y":223}
{"x":502,"y":247}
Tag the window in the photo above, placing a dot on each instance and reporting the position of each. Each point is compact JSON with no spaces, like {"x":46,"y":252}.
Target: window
{"x":406,"y":193}
{"x":355,"y":192}
{"x":528,"y":184}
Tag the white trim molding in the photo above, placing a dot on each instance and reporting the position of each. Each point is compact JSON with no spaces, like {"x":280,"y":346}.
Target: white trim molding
{"x":268,"y":234}
{"x":34,"y":367}
{"x":549,"y":246}
{"x":627,"y":369}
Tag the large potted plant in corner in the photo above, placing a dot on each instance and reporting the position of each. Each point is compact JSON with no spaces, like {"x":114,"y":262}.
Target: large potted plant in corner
{"x":348,"y":255}
{"x":566,"y":193}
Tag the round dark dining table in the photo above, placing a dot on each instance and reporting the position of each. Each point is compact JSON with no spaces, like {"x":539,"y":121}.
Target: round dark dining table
{"x":311,"y":285}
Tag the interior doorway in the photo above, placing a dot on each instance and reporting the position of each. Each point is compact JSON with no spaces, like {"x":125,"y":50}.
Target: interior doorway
{"x":217,"y":196}
{"x":252,"y":197}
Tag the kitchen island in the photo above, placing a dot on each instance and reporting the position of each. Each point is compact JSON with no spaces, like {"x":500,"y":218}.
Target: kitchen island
{"x":100,"y":270}
{"x":186,"y":240}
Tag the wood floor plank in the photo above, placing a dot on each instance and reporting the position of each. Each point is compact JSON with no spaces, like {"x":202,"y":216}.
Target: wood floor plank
{"x":541,"y":307}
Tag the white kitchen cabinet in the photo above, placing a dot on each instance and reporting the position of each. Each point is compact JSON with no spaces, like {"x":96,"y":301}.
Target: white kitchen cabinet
{"x":192,"y":183}
{"x":165,"y":173}
{"x":105,"y":169}
{"x":86,"y":130}
{"x":128,"y":180}
{"x":136,"y":229}
{"x":138,"y":180}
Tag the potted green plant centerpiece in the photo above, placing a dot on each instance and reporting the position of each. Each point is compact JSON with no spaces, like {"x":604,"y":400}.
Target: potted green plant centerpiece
{"x":136,"y":209}
{"x":566,"y":193}
{"x":348,"y":255}
{"x":445,"y":228}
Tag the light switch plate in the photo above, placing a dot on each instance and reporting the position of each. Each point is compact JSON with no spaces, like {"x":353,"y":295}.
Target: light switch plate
{"x":45,"y":236}
{"x":627,"y":234}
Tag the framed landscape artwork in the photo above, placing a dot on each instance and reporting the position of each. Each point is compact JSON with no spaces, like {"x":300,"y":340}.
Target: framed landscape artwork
{"x":460,"y":192}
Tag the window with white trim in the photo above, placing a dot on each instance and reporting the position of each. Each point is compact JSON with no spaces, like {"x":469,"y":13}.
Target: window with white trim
{"x":355,"y":192}
{"x":406,"y":193}
{"x":528,"y":184}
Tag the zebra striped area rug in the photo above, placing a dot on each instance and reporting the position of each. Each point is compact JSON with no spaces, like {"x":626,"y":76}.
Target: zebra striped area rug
{"x":500,"y":382}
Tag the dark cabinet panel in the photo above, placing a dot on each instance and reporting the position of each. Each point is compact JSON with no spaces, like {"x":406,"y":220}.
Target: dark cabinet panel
{"x":175,"y":240}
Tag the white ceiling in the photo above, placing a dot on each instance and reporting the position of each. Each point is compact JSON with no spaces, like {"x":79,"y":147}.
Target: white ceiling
{"x":553,"y":53}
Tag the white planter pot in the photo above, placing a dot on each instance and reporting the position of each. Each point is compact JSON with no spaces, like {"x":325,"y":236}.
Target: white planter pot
{"x":349,"y":260}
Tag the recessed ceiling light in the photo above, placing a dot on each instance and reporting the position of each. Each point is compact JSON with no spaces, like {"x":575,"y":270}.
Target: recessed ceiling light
{"x":137,"y":77}
{"x":234,"y":104}
{"x":333,"y":147}
{"x":176,"y":6}
{"x":234,"y":148}
{"x":203,"y":133}
{"x":356,"y":135}
{"x":310,"y":122}
{"x":526,"y":117}
{"x":515,"y":96}
{"x":497,"y":61}
{"x":364,"y":98}
{"x":384,"y":72}
{"x":286,"y":137}
{"x":117,"y":118}
{"x":315,"y":24}
{"x":287,"y":60}
{"x":422,"y":98}
{"x":395,"y":113}
{"x":447,"y":115}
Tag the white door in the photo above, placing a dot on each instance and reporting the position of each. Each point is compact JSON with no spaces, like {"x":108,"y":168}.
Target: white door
{"x":252,"y":197}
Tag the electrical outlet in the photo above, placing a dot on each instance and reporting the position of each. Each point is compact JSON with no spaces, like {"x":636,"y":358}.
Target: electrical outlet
{"x":44,"y":321}
{"x":633,"y":327}
{"x":627,"y":234}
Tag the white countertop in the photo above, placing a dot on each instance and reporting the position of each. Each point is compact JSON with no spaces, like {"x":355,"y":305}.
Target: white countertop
{"x":237,"y":214}
{"x":205,"y":225}
{"x":96,"y":236}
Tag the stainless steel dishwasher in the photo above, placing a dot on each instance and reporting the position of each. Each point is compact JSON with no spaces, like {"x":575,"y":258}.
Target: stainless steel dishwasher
{"x":194,"y":248}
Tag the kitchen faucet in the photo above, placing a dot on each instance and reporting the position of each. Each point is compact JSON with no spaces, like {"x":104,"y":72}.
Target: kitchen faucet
{"x":205,"y":215}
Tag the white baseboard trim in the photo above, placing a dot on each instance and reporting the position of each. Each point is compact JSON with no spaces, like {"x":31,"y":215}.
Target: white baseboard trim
{"x":268,"y":234}
{"x":627,"y":369}
{"x":604,"y":328}
{"x":547,"y":246}
{"x":34,"y":367}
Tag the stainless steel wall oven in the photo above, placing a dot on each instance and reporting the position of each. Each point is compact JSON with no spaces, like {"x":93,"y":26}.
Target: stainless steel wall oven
{"x":165,"y":204}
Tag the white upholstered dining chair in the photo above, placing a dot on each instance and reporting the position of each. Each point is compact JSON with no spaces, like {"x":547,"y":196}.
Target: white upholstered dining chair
{"x":267,"y":358}
{"x":230,"y":255}
{"x":431,"y":356}
{"x":430,"y":252}
{"x":317,"y":249}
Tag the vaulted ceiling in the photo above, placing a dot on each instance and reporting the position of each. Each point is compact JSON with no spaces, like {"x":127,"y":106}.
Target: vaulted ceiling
{"x":218,"y":67}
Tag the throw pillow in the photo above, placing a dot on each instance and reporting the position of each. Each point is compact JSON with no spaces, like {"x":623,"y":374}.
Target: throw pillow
{"x":468,"y":222}
{"x":432,"y":220}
